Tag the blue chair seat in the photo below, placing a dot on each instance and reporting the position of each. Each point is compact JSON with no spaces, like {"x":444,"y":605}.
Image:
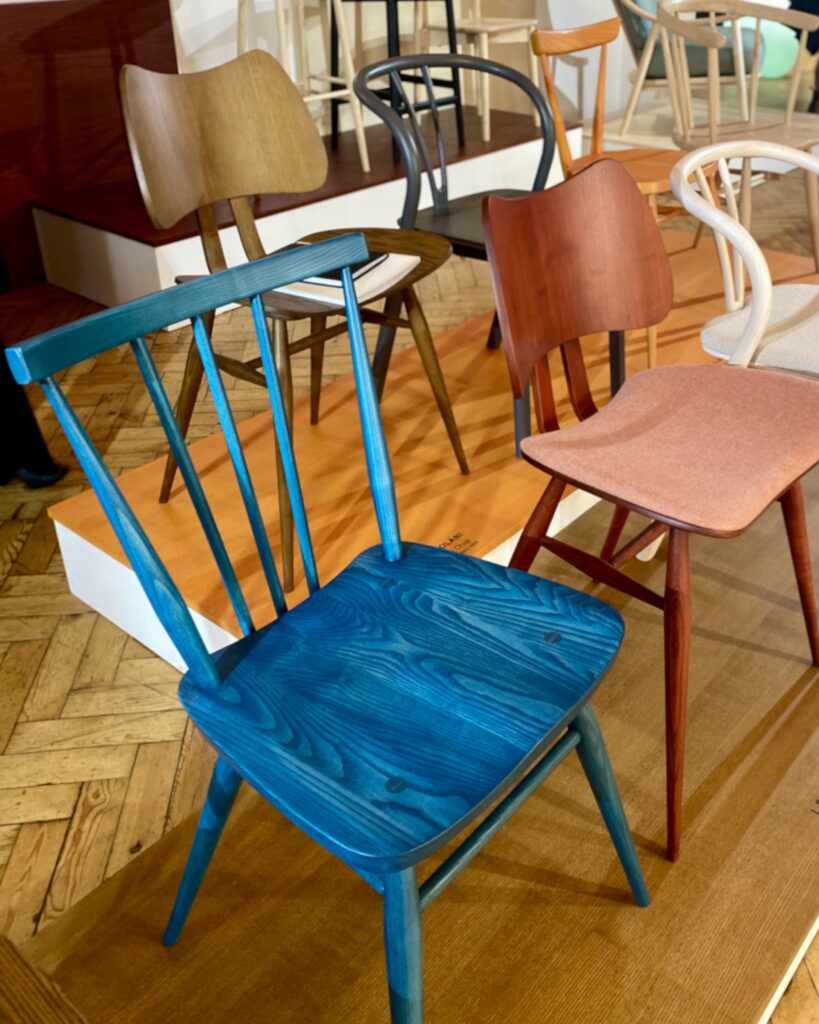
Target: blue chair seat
{"x":385,"y":713}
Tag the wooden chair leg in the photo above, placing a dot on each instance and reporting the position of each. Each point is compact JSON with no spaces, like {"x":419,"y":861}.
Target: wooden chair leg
{"x":642,"y":70}
{"x":224,"y":785}
{"x":595,"y":760}
{"x":677,"y":629}
{"x":281,"y":355}
{"x":402,"y":944}
{"x":651,"y":340}
{"x":793,"y":509}
{"x":618,"y":522}
{"x":349,"y":74}
{"x":486,"y":110}
{"x":317,"y":323}
{"x":384,"y":344}
{"x":191,"y":379}
{"x":539,"y":522}
{"x":812,"y":193}
{"x":429,"y":358}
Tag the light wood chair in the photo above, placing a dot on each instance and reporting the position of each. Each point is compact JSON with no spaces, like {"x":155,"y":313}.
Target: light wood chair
{"x":421,"y":696}
{"x":650,"y":168}
{"x":696,"y":449}
{"x":774,"y":326}
{"x":230,"y":134}
{"x":700,"y":21}
{"x":652,"y":63}
{"x":315,"y":87}
{"x":478,"y":31}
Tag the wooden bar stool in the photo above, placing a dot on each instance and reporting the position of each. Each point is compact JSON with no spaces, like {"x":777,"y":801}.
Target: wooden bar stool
{"x":313,"y":86}
{"x":394,"y":50}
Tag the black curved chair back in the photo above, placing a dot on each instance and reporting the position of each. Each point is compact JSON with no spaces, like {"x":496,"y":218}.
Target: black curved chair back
{"x":400,"y":115}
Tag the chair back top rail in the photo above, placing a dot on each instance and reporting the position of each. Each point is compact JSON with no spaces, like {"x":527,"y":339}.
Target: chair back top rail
{"x":408,"y":135}
{"x":233,"y":131}
{"x":679,"y":23}
{"x":582,"y":257}
{"x":42,"y":357}
{"x":548,"y":43}
{"x":737,"y":249}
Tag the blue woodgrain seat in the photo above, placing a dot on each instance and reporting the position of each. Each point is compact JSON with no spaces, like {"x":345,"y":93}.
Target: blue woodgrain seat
{"x":417,"y":691}
{"x":408,"y":713}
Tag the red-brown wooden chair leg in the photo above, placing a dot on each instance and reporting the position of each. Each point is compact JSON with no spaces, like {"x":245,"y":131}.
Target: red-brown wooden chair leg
{"x":191,"y":381}
{"x":618,"y":522}
{"x":538,"y":524}
{"x":793,"y":509}
{"x":677,"y":628}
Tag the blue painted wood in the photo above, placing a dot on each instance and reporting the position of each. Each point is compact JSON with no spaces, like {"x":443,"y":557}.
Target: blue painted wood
{"x":224,"y":785}
{"x":596,"y":764}
{"x":55,"y":350}
{"x":159,"y":588}
{"x":285,"y":444}
{"x":391,"y":709}
{"x":382,"y":485}
{"x":192,"y":482}
{"x":237,"y":458}
{"x":494,"y":822}
{"x":402,"y":945}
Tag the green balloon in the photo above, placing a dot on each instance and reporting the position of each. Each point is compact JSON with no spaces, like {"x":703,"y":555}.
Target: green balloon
{"x":780,"y":47}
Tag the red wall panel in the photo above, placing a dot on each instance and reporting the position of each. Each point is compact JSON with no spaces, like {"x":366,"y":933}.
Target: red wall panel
{"x":60,"y":122}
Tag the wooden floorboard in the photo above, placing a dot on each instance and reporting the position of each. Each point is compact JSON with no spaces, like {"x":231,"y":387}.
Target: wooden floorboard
{"x":42,"y":630}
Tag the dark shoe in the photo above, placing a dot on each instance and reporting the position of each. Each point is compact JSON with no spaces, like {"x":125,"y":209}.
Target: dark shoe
{"x":38,"y":478}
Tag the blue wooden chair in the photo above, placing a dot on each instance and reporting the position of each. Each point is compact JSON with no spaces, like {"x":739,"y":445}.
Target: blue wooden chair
{"x":418,"y":690}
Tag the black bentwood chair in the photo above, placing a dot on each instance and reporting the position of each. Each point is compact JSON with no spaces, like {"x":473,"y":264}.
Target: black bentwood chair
{"x":459,"y":220}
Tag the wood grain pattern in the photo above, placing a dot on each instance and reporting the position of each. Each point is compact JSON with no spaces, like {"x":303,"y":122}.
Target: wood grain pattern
{"x":27,"y":996}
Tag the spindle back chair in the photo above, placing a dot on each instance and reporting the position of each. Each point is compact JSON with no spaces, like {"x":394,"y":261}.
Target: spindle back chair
{"x":398,"y":703}
{"x":699,"y":22}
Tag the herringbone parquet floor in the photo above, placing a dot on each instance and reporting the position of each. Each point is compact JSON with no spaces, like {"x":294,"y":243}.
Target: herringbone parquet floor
{"x":97,"y":760}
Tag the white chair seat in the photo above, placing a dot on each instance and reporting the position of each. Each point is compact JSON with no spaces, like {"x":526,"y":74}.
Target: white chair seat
{"x":791,"y":341}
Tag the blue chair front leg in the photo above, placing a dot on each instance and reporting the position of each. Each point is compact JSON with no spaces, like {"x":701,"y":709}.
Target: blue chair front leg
{"x":596,"y":764}
{"x":402,"y":943}
{"x":224,"y":785}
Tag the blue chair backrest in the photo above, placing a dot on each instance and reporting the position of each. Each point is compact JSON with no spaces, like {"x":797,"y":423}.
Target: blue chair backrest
{"x":40,"y":358}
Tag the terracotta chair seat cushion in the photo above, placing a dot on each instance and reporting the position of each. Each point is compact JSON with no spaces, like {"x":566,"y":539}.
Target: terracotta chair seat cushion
{"x":706,"y":447}
{"x":790,"y":342}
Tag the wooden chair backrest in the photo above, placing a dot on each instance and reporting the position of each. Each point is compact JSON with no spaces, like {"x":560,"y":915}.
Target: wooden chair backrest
{"x":698,"y":22}
{"x":548,"y":43}
{"x":409,"y":134}
{"x":237,"y":130}
{"x":582,"y":257}
{"x":42,"y":357}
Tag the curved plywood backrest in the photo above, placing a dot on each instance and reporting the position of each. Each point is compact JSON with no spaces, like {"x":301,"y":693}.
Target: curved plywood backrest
{"x":235,"y":130}
{"x":548,"y":43}
{"x":582,"y":257}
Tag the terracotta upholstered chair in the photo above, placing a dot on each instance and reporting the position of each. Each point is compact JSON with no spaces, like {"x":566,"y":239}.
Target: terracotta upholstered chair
{"x":696,"y":449}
